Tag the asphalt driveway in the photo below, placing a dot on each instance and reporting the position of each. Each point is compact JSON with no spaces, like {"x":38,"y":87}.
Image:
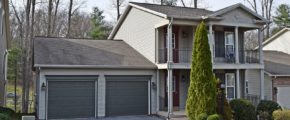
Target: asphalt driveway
{"x":140,"y":117}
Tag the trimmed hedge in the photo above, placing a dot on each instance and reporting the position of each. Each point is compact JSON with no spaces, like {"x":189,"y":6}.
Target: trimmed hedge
{"x":266,"y":108}
{"x":214,"y":117}
{"x":281,"y":115}
{"x":243,"y":109}
{"x":202,"y":116}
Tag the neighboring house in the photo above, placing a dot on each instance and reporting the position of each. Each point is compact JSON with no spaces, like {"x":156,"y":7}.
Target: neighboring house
{"x":85,"y":78}
{"x":4,"y":44}
{"x":277,"y":70}
{"x":277,"y":65}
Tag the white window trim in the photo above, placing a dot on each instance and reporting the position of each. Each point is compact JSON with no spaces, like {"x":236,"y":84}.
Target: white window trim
{"x":173,"y":40}
{"x":227,"y":32}
{"x":247,"y":86}
{"x":234,"y":86}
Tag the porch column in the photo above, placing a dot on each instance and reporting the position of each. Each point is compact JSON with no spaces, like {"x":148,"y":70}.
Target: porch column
{"x":169,"y":69}
{"x":211,"y":42}
{"x":238,"y":83}
{"x":260,"y":38}
{"x":237,"y":44}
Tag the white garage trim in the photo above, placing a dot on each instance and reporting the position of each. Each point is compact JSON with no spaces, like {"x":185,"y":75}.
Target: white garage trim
{"x":69,"y":79}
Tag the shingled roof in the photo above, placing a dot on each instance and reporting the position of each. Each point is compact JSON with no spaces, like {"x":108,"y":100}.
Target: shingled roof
{"x":277,"y":63}
{"x":176,"y":11}
{"x":91,"y":53}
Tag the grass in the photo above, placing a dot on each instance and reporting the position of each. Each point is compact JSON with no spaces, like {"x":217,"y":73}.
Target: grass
{"x":10,"y":101}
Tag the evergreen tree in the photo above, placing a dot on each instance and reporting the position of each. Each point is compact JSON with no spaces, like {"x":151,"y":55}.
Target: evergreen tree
{"x":202,"y":90}
{"x":282,"y":18}
{"x":98,"y":31}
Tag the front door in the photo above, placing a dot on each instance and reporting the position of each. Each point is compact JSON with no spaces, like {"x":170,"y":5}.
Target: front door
{"x":175,"y":36}
{"x":175,"y":88}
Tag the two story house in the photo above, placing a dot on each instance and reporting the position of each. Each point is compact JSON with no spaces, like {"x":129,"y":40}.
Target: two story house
{"x":144,"y":67}
{"x":4,"y":45}
{"x":145,"y":27}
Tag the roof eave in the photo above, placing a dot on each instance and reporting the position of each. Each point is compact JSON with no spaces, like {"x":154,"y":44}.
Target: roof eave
{"x":94,"y":66}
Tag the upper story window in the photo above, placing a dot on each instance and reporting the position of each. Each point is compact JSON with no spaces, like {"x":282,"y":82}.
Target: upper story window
{"x":173,"y":40}
{"x":229,"y":46}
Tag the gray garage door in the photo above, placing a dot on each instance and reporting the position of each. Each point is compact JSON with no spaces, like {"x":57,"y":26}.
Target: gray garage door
{"x":283,"y":97}
{"x":126,"y":95}
{"x":71,"y":98}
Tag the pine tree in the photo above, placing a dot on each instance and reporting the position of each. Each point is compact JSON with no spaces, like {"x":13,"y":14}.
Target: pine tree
{"x":202,"y":90}
{"x":282,"y":18}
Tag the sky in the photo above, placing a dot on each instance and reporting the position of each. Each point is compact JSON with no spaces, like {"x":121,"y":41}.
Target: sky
{"x":109,"y":12}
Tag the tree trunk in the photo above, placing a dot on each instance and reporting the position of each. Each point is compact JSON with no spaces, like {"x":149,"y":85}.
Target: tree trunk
{"x":27,"y":68}
{"x":118,"y":9}
{"x":195,"y":3}
{"x":49,"y":17}
{"x":69,"y":18}
{"x":54,"y":17}
{"x":183,"y":3}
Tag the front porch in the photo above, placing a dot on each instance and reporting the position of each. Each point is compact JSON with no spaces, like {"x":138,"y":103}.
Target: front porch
{"x":236,"y":83}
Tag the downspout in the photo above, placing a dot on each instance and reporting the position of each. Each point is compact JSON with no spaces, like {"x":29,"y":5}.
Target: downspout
{"x":169,"y":69}
{"x":5,"y":73}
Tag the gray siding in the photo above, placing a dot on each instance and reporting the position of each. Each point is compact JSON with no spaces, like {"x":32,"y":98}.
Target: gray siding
{"x":101,"y":85}
{"x":138,"y":30}
{"x":253,"y":76}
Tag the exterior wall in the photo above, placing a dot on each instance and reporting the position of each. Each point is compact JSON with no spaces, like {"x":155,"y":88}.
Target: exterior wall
{"x":100,"y":88}
{"x":161,"y":89}
{"x":3,"y":57}
{"x":283,"y":41}
{"x":253,"y":76}
{"x":138,"y":30}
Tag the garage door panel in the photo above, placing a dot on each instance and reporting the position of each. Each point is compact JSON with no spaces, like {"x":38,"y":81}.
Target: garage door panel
{"x":283,"y":97}
{"x":126,"y":95}
{"x":71,"y":99}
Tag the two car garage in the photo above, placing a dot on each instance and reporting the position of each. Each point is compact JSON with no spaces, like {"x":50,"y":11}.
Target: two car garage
{"x":77,"y":96}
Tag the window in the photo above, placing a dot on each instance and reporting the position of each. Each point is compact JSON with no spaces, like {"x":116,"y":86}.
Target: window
{"x":229,"y":45}
{"x":173,"y":40}
{"x":247,"y":87}
{"x":230,"y":86}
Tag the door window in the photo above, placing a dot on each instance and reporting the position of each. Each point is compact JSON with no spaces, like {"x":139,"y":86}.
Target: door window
{"x":230,"y":85}
{"x":229,"y":45}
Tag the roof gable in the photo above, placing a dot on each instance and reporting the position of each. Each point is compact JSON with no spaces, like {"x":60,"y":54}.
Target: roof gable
{"x":231,"y":8}
{"x":273,"y":37}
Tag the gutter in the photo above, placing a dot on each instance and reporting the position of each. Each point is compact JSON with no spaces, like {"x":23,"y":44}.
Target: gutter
{"x":169,"y":62}
{"x":93,"y":66}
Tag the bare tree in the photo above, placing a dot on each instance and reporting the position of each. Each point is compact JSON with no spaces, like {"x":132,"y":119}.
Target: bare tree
{"x":55,"y":16}
{"x":49,"y":17}
{"x":69,"y":18}
{"x":266,"y":11}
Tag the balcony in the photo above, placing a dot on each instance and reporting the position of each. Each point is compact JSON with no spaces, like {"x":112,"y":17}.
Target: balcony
{"x":182,"y":55}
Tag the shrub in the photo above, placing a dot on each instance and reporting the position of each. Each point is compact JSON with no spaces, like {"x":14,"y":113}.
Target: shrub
{"x":7,"y":111}
{"x":214,"y":117}
{"x":243,"y":109}
{"x":281,"y":115}
{"x":223,"y":107}
{"x":4,"y":116}
{"x":265,"y":109}
{"x":202,"y":116}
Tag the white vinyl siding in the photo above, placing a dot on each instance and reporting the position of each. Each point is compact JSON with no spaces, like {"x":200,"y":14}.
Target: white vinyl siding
{"x":138,"y":30}
{"x":283,"y":41}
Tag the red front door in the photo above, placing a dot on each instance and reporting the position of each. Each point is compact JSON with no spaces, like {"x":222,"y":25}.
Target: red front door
{"x":175,"y":88}
{"x":175,"y":45}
